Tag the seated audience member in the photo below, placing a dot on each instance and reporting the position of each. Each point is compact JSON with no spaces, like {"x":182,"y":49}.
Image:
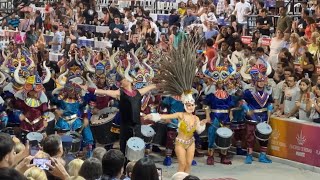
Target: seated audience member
{"x":91,"y":169}
{"x":74,"y":166}
{"x":99,"y":152}
{"x":112,"y":165}
{"x":7,"y":173}
{"x":145,"y":169}
{"x":129,"y":169}
{"x":35,"y":173}
{"x":53,"y":146}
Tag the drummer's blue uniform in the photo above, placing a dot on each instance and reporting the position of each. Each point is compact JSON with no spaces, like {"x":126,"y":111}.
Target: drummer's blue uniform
{"x":71,"y":109}
{"x":219,"y":114}
{"x":13,"y":114}
{"x":173,"y":106}
{"x":260,"y":103}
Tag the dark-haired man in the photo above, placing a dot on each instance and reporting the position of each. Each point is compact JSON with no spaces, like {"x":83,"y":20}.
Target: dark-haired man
{"x":112,"y":164}
{"x":264,"y":23}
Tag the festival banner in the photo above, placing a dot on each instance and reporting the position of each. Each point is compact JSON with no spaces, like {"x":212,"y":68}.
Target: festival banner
{"x":295,"y":140}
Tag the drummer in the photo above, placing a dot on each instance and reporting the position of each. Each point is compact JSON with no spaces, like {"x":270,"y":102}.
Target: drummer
{"x":218,"y":104}
{"x":258,"y":108}
{"x":173,"y":105}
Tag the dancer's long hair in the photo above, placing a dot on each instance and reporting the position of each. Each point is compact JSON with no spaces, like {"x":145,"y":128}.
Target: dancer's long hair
{"x":178,"y":68}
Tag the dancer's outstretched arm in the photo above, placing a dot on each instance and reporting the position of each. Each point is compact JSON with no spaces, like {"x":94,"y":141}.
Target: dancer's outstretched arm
{"x":112,"y":93}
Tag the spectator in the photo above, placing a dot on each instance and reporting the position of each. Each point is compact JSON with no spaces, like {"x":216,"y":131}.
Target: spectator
{"x":35,"y":173}
{"x":182,"y":10}
{"x":311,"y":27}
{"x":91,"y":169}
{"x":238,"y":54}
{"x":284,"y":22}
{"x":31,"y":37}
{"x":313,"y":46}
{"x":290,"y":97}
{"x":300,"y":25}
{"x":276,"y":45}
{"x":57,"y":39}
{"x":294,"y":45}
{"x":38,"y":22}
{"x":189,"y":19}
{"x":145,"y":169}
{"x":264,"y":23}
{"x":11,"y":174}
{"x":210,"y":51}
{"x":190,"y":177}
{"x":222,"y":36}
{"x":99,"y":152}
{"x":129,"y":169}
{"x":13,"y":22}
{"x":139,"y":13}
{"x":211,"y":32}
{"x":6,"y":151}
{"x":116,"y":28}
{"x":112,"y":165}
{"x":74,"y":166}
{"x":26,"y":23}
{"x":242,"y":10}
{"x":174,"y":18}
{"x":307,"y":64}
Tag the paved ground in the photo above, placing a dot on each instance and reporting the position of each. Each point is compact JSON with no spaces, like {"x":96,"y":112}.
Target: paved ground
{"x":240,"y":171}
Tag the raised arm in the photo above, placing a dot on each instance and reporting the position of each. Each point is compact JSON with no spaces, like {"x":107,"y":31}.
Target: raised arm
{"x":112,"y":93}
{"x":146,"y":89}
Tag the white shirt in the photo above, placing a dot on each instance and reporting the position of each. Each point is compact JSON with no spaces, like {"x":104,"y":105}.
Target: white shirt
{"x":236,"y":56}
{"x":242,"y":9}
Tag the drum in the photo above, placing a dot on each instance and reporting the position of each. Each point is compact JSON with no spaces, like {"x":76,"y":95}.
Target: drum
{"x":71,"y":142}
{"x":161,"y":134}
{"x":145,"y":132}
{"x":135,"y":149}
{"x":34,"y":138}
{"x":103,"y":130}
{"x":263,"y":131}
{"x":224,"y":138}
{"x":51,"y":122}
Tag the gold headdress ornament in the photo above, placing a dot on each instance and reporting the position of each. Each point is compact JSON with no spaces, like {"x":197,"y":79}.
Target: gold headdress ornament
{"x":178,"y":69}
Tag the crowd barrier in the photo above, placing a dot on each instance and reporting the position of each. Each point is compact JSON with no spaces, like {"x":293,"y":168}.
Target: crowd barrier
{"x":295,"y":140}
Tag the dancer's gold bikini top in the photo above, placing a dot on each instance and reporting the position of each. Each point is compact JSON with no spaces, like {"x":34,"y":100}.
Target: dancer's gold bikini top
{"x":185,"y":129}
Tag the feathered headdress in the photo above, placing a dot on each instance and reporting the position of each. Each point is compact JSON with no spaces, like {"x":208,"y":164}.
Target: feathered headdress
{"x":177,"y":71}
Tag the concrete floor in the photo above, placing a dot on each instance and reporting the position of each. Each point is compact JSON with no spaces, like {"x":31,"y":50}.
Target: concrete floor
{"x":239,"y":171}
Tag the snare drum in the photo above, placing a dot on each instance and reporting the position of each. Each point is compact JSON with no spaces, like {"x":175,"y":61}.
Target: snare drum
{"x":263,"y":131}
{"x":224,"y":138}
{"x":146,"y":134}
{"x":103,"y":130}
{"x":135,"y":149}
{"x":161,"y":134}
{"x":71,"y":142}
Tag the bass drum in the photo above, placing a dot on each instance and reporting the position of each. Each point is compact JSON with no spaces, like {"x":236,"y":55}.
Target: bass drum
{"x":103,"y":129}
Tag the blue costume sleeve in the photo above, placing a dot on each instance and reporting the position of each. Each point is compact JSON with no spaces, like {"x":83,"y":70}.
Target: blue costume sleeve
{"x":245,"y":107}
{"x":55,"y":100}
{"x":270,"y":107}
{"x":208,"y":100}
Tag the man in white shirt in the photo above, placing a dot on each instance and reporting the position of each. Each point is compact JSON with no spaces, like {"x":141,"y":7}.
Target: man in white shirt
{"x":242,"y":10}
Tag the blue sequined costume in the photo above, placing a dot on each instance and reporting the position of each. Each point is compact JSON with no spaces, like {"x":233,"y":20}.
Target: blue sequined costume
{"x":71,"y":118}
{"x":219,"y":115}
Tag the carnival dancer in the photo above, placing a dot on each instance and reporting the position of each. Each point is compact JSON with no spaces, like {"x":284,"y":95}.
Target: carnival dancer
{"x":258,"y":108}
{"x":181,"y":61}
{"x":219,"y":102}
{"x":32,"y":101}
